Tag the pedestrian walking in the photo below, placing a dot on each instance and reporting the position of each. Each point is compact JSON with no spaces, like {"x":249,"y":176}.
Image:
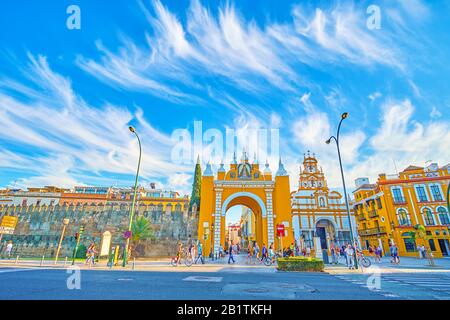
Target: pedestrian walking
{"x":90,"y":255}
{"x":248,"y":260}
{"x":350,"y":253}
{"x":263,"y":252}
{"x":230,"y":253}
{"x":421,"y":249}
{"x":394,"y":254}
{"x":333,"y":255}
{"x":8,"y":249}
{"x":271,"y":251}
{"x":199,"y":252}
{"x":378,"y":254}
{"x":256,"y":249}
{"x":191,"y":249}
{"x":179,"y":252}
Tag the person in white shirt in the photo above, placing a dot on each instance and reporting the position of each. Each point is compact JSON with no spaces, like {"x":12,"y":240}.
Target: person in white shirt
{"x":8,"y":250}
{"x":350,"y":252}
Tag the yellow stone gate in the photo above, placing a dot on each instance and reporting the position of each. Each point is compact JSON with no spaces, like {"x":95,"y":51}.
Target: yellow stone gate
{"x":244,"y":184}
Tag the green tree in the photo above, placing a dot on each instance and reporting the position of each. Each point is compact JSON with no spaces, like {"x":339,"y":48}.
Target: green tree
{"x":141,"y":229}
{"x":196,"y":186}
{"x":420,"y":232}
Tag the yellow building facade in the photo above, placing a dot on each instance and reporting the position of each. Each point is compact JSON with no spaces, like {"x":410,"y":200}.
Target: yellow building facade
{"x":248,"y":226}
{"x":244,"y":184}
{"x":390,"y":209}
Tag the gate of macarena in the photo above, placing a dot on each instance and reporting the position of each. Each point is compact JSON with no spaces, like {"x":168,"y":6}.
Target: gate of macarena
{"x":244,"y":184}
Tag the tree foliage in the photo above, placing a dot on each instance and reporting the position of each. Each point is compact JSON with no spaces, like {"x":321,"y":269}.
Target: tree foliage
{"x":196,"y":186}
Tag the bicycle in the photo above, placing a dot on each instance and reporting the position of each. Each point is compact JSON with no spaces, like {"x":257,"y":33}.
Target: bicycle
{"x":268,"y":261}
{"x":188,"y":261}
{"x":363,"y":261}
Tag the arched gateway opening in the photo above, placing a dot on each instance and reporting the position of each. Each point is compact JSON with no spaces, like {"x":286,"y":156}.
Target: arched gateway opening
{"x":242,"y":222}
{"x":244,"y":184}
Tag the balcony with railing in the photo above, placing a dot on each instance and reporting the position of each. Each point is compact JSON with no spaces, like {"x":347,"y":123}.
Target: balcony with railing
{"x":372,"y":231}
{"x":360,"y":216}
{"x":373,"y":213}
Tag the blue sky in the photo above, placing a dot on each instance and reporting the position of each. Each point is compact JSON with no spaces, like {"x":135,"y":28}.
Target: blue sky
{"x":68,"y":96}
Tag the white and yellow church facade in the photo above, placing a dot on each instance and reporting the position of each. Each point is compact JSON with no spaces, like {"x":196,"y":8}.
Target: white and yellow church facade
{"x":318,"y":212}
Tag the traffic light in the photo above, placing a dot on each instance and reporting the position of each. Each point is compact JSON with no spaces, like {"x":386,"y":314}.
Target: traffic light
{"x":77,"y":235}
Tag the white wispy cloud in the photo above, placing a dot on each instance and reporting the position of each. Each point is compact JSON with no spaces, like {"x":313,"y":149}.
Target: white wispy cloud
{"x":403,"y":139}
{"x":72,"y":137}
{"x":234,"y":49}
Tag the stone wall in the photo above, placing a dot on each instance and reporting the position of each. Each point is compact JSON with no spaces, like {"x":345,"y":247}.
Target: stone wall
{"x":39,"y":228}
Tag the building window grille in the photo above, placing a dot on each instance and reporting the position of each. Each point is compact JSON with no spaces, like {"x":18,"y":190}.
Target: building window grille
{"x":436,"y":193}
{"x":421,"y":194}
{"x":443,"y":216}
{"x":428,"y":217}
{"x":403,"y":218}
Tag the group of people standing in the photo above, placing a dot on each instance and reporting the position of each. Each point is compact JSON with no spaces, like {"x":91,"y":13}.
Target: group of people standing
{"x":377,"y":252}
{"x":253,"y":250}
{"x":194,"y":251}
{"x":349,"y":252}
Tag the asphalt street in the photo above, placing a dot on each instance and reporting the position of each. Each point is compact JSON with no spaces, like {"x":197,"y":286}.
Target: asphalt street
{"x":233,"y":282}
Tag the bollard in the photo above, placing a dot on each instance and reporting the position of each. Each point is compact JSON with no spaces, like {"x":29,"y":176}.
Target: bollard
{"x":65,"y":261}
{"x":42,"y":260}
{"x":17,"y":259}
{"x":134,"y":263}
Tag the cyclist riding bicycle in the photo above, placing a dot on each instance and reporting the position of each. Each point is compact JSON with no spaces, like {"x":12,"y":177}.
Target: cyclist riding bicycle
{"x":179,"y":252}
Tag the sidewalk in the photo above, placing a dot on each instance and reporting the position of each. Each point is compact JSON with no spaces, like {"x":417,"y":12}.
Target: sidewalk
{"x":407,"y":264}
{"x":142,"y":265}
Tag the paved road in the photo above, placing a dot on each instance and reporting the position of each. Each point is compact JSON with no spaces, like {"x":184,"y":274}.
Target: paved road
{"x":407,"y":285}
{"x":158,"y":280}
{"x":234,"y":282}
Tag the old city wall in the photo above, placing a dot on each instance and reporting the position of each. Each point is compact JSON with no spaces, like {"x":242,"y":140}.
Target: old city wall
{"x":39,"y":228}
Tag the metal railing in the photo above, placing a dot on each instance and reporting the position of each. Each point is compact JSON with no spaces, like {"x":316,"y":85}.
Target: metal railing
{"x":373,"y":213}
{"x":372,"y":231}
{"x":360,"y":216}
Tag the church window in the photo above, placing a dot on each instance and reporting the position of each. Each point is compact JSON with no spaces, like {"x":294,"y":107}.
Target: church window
{"x":322,"y":202}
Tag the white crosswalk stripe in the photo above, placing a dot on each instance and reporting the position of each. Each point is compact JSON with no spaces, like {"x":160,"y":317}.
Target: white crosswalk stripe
{"x":15,"y":270}
{"x":402,"y":283}
{"x":437,"y":282}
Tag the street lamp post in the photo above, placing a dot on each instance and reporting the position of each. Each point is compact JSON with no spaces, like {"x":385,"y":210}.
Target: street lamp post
{"x":336,"y":139}
{"x":127,"y":243}
{"x":448,"y":198}
{"x":65,"y":223}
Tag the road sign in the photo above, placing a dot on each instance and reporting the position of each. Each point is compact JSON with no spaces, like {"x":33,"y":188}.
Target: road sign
{"x":8,"y":224}
{"x":127,"y":234}
{"x":280,"y":230}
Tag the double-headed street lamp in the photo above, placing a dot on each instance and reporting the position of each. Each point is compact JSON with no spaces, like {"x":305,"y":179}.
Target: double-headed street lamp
{"x":128,"y":236}
{"x":336,"y":138}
